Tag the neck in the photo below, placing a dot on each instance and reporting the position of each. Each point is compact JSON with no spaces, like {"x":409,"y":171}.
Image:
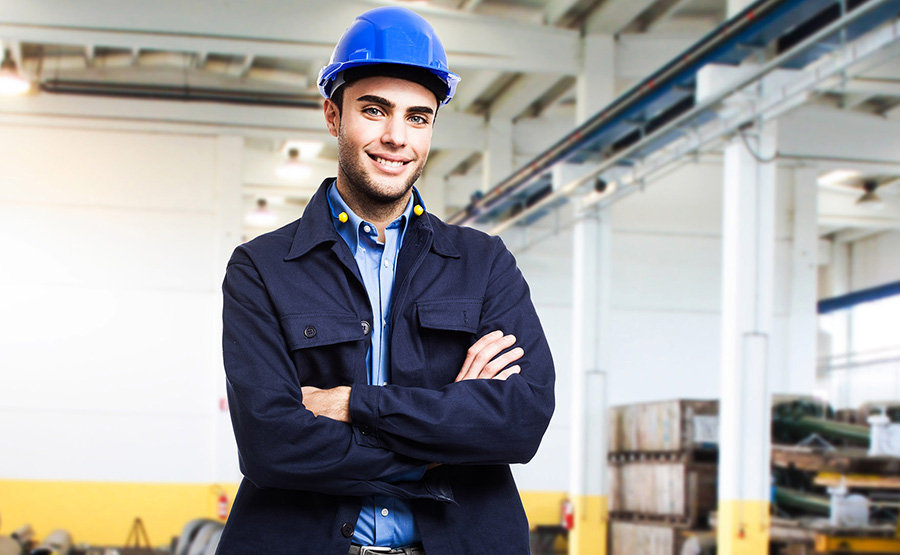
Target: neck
{"x":377,"y":211}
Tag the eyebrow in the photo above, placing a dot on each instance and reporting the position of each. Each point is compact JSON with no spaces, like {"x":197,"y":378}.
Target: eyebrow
{"x":385,"y":102}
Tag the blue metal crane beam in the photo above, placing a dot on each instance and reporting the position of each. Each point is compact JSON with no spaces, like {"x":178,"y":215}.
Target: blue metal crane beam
{"x":670,"y":91}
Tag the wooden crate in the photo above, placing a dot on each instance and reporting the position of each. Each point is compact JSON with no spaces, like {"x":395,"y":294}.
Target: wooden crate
{"x":663,"y":489}
{"x":677,"y":425}
{"x":632,"y":538}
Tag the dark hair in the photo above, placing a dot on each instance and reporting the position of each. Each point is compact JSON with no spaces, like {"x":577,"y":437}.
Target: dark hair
{"x":415,"y":74}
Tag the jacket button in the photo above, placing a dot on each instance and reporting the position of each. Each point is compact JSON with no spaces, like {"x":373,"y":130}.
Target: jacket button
{"x":366,"y":327}
{"x":309,"y":332}
{"x":365,"y":430}
{"x":347,"y":530}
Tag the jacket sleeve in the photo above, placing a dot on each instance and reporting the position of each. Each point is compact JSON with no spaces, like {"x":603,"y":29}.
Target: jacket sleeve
{"x":474,"y":421}
{"x":280,"y":443}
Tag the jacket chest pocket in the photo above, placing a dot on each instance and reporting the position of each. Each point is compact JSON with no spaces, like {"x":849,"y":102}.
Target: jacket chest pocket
{"x":447,"y":329}
{"x":328,"y":349}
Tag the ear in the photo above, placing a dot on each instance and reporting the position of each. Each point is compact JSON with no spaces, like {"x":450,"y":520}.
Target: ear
{"x":332,"y":117}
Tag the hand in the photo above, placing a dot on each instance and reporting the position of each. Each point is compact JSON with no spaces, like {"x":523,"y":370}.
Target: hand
{"x":331,"y":403}
{"x":484,"y":361}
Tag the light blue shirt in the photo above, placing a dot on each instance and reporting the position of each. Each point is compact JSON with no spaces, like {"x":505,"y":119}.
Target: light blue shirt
{"x":384,"y":521}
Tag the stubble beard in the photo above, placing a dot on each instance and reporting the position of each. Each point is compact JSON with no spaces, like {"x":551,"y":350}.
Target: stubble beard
{"x":364,"y":187}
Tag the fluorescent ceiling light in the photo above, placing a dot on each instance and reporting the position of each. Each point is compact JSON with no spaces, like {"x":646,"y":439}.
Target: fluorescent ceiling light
{"x":11,"y":81}
{"x":837,"y":177}
{"x":293,"y":169}
{"x":262,"y":216}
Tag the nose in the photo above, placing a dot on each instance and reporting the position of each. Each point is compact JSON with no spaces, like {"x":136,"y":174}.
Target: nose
{"x":394,"y":132}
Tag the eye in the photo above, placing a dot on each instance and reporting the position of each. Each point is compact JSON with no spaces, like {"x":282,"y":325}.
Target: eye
{"x":418,"y":120}
{"x":372,"y":111}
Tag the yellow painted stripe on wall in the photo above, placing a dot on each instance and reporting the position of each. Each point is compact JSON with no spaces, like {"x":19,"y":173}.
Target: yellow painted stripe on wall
{"x":591,"y":525}
{"x":743,"y":527}
{"x":543,"y":507}
{"x":103,"y":513}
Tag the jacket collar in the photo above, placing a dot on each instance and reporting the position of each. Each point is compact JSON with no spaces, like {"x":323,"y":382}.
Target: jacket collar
{"x":316,"y":227}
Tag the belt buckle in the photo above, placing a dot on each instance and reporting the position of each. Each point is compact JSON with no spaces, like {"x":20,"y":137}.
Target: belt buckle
{"x":363,"y":549}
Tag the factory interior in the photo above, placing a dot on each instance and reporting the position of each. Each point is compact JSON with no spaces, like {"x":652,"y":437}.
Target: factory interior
{"x":703,"y":196}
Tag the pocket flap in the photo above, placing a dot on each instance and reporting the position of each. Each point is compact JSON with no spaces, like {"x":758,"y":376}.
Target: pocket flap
{"x":450,"y":314}
{"x":316,"y":329}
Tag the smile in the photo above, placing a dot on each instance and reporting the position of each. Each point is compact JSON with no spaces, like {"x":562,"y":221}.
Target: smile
{"x":388,"y":163}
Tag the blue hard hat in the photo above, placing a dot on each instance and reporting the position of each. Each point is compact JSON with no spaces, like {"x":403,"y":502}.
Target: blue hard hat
{"x":389,"y":35}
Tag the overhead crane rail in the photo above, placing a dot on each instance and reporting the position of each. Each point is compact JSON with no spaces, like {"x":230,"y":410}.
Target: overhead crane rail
{"x":653,"y":113}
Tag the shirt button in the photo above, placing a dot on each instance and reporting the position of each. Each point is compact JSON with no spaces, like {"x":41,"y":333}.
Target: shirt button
{"x":387,"y":264}
{"x":309,"y":332}
{"x":367,"y":229}
{"x":347,"y":530}
{"x":383,"y":383}
{"x":384,"y":512}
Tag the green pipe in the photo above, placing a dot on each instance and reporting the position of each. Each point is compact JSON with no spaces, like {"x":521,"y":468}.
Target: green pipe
{"x":832,"y":428}
{"x":808,"y":502}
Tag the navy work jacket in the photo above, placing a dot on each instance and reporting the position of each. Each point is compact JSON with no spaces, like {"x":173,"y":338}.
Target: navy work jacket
{"x":296,"y":313}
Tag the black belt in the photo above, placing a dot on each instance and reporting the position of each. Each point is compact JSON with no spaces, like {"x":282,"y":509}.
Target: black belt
{"x":370,"y":550}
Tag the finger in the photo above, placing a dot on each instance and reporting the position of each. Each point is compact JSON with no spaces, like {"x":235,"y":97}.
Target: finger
{"x":475,"y":349}
{"x":500,"y":362}
{"x":507,"y":373}
{"x":484,"y":355}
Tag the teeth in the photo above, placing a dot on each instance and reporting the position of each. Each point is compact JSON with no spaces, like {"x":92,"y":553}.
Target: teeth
{"x":388,"y":163}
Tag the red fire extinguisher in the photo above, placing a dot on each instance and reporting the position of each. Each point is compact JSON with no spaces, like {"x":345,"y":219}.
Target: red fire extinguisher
{"x":222,"y":506}
{"x":568,"y":515}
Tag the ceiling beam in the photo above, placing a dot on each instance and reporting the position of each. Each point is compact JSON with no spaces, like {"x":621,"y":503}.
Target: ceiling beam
{"x":453,"y":130}
{"x":821,"y":132}
{"x":879,"y":224}
{"x":614,"y":15}
{"x":854,"y":235}
{"x":871,"y":87}
{"x":667,"y":13}
{"x":555,"y":10}
{"x":472,"y":87}
{"x":283,"y":28}
{"x":470,"y":5}
{"x":445,"y":161}
{"x":521,"y":94}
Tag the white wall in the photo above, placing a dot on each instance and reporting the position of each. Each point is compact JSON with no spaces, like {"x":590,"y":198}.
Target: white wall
{"x":109,"y":313}
{"x":866,"y":368}
{"x":875,"y":261}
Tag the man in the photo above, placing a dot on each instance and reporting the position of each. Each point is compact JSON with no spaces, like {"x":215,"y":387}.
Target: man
{"x":383,"y":368}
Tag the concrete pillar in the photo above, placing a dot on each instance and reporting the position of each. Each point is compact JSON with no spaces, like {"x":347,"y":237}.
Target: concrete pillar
{"x":840,"y":324}
{"x":803,"y":325}
{"x":229,"y":176}
{"x":498,"y":157}
{"x":748,"y":260}
{"x":590,"y":316}
{"x":596,"y":85}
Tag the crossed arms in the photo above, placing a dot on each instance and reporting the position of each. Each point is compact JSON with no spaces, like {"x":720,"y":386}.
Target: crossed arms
{"x":484,"y":360}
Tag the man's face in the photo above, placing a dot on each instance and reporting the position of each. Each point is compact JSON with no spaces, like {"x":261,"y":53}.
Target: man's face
{"x":384,"y":134}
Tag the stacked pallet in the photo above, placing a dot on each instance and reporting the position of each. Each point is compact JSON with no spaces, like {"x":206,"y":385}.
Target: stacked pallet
{"x":662,"y":474}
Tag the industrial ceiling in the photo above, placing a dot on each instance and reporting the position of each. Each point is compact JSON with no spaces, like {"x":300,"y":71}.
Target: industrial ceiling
{"x":250,"y":67}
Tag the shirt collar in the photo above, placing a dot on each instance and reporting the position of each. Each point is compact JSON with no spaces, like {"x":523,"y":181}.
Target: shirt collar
{"x":350,"y":229}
